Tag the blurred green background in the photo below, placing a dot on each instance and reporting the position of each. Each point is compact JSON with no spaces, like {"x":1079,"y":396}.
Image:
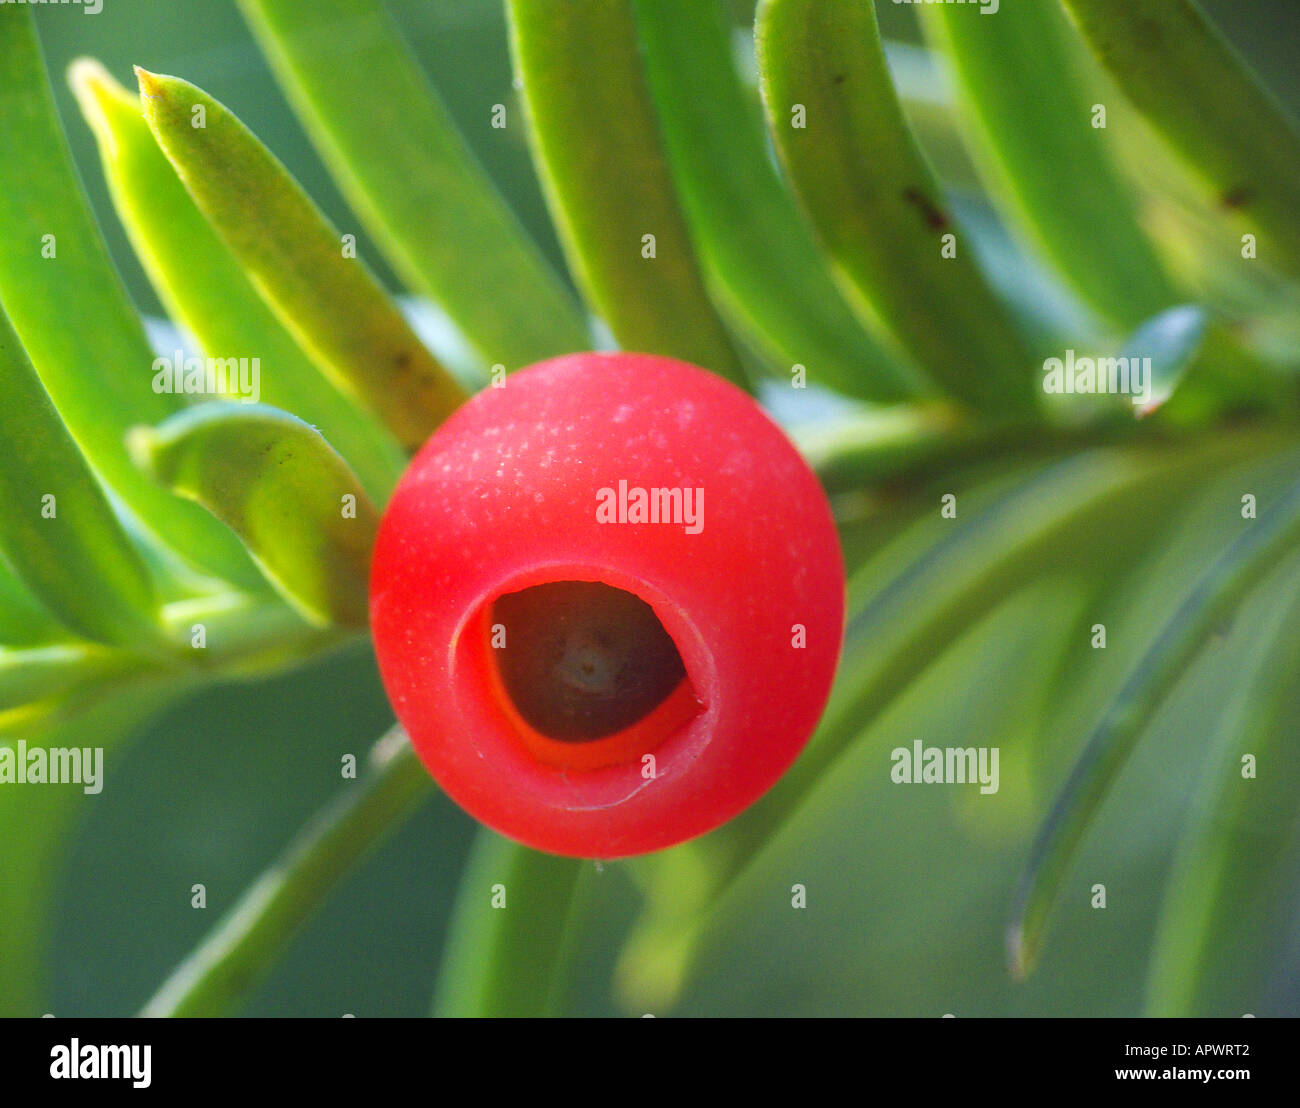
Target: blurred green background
{"x":907,"y":888}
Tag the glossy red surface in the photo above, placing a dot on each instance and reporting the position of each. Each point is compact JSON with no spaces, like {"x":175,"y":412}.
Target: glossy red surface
{"x":517,"y":489}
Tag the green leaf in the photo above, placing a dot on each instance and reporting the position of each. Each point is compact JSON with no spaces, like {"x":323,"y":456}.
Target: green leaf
{"x":1194,"y":88}
{"x":221,"y":971}
{"x":1029,"y":100}
{"x":597,"y":148}
{"x":504,"y":957}
{"x":1214,"y":597}
{"x":1225,"y":380}
{"x":930,"y":586}
{"x":1171,"y":340}
{"x":57,"y":529}
{"x":927,"y":588}
{"x":245,"y":634}
{"x":33,"y":674}
{"x":23,"y":619}
{"x":53,"y":680}
{"x":721,"y":935}
{"x":205,"y":289}
{"x":1050,"y":316}
{"x":35,"y":824}
{"x":876,"y":204}
{"x":398,"y":158}
{"x":930,"y":106}
{"x":1221,"y":899}
{"x":331,"y":303}
{"x":71,"y":312}
{"x":763,"y":265}
{"x":750,"y":953}
{"x":903,"y":446}
{"x":281,"y":488}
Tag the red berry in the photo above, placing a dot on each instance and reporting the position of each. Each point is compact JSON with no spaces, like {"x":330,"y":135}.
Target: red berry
{"x":579,"y":678}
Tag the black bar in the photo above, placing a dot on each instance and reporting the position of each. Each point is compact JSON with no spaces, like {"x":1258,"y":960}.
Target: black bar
{"x":336,"y":1056}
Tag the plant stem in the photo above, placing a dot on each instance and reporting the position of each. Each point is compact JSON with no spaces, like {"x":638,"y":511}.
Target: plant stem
{"x":222,"y":970}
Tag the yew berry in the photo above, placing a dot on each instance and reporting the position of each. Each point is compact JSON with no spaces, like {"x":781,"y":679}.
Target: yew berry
{"x":607,"y":601}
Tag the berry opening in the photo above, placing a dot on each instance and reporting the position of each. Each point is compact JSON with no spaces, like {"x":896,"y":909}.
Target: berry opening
{"x":583,"y":660}
{"x":586,"y":672}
